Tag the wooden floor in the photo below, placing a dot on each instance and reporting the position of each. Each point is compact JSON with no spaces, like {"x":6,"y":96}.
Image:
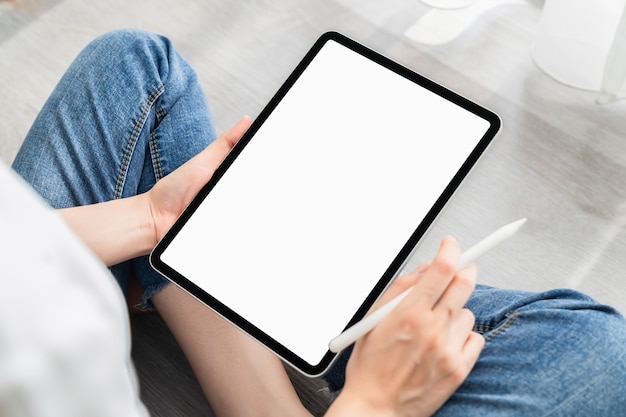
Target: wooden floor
{"x":560,"y":159}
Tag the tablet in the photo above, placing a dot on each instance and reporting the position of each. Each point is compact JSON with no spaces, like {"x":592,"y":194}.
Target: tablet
{"x":317,"y":208}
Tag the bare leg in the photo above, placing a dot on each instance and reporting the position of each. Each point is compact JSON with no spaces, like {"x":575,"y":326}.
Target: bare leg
{"x":239,"y":376}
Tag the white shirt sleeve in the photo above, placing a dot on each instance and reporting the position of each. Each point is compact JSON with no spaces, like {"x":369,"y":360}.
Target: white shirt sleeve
{"x":64,"y":329}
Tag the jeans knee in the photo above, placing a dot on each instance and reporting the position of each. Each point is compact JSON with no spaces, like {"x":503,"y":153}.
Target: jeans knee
{"x":602,"y":372}
{"x":129,"y":40}
{"x":609,"y":329}
{"x":600,"y":323}
{"x":140,"y":52}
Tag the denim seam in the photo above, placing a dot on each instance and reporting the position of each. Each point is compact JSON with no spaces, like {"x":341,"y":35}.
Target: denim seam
{"x":154,"y":149}
{"x":156,"y":159}
{"x":160,"y":113}
{"x":484,"y":328}
{"x":134,"y":136}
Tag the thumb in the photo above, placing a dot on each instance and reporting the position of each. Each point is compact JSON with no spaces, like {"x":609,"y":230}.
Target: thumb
{"x":232,"y":135}
{"x":211,"y":157}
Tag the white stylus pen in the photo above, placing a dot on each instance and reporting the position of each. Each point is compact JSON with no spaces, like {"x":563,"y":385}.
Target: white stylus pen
{"x":353,"y":333}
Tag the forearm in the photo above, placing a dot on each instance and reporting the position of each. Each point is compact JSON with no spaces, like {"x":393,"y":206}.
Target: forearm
{"x":116,"y":230}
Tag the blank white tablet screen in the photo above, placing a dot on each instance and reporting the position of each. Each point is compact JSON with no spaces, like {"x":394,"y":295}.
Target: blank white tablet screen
{"x":310,"y":215}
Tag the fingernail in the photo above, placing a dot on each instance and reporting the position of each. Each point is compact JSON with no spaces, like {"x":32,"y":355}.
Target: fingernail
{"x":422,"y":268}
{"x":450,"y":239}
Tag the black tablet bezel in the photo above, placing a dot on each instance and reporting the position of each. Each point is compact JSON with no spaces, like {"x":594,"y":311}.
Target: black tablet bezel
{"x":396,"y":264}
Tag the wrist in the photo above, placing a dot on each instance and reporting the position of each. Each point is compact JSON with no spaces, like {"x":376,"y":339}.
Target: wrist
{"x":116,"y":230}
{"x":348,"y":404}
{"x":146,"y":223}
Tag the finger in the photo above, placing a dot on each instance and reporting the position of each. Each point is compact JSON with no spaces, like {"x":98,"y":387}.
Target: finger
{"x":467,"y":359}
{"x":232,"y":135}
{"x":459,"y":290}
{"x":423,"y":267}
{"x":401,"y":284}
{"x":214,"y":154}
{"x":460,"y":328}
{"x":436,"y":279}
{"x":225,"y":142}
{"x":467,"y":343}
{"x":474,"y":345}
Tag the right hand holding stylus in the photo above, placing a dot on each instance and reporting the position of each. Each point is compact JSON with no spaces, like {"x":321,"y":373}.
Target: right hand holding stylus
{"x":415,"y":359}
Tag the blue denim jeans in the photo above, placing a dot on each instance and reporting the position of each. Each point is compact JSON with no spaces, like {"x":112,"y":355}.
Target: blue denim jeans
{"x":129,"y":110}
{"x":554,"y":353}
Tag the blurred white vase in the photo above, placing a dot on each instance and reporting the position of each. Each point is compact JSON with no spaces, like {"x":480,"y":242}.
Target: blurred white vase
{"x":582,"y":43}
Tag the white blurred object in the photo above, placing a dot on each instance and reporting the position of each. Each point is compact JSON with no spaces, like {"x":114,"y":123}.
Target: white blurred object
{"x":580,"y":43}
{"x":615,"y":67}
{"x":448,"y":4}
{"x":64,"y":329}
{"x":437,"y":26}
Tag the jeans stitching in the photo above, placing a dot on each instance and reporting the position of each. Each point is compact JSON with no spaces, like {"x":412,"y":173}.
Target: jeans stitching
{"x":134,"y":136}
{"x":484,"y":328}
{"x":160,"y":114}
{"x":154,"y":150}
{"x":156,"y":160}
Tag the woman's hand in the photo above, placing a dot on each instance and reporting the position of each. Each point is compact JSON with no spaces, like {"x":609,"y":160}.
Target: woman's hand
{"x":135,"y":224}
{"x":415,"y":359}
{"x":169,"y":197}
